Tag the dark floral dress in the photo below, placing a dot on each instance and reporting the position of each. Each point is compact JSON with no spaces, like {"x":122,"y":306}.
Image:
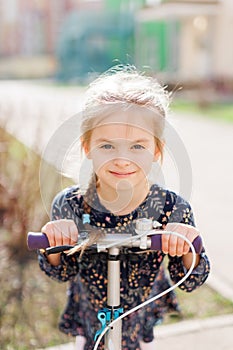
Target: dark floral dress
{"x":141,"y":275}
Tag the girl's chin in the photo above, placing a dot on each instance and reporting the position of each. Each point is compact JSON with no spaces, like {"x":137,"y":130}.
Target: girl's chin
{"x":124,"y":184}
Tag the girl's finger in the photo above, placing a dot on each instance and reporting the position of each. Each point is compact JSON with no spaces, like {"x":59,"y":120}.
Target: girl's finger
{"x":165,"y":243}
{"x":180,"y":246}
{"x":172,"y":248}
{"x":49,"y":231}
{"x":73,"y":233}
{"x":66,"y":240}
{"x":58,"y":236}
{"x":186,"y":247}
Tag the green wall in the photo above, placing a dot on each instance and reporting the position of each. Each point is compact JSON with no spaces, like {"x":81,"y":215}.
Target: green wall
{"x":157,"y":45}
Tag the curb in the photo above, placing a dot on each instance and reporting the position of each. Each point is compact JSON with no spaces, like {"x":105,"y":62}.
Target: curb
{"x":192,"y":326}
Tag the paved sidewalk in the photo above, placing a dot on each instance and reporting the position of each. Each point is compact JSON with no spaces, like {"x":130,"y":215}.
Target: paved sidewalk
{"x":214,"y":333}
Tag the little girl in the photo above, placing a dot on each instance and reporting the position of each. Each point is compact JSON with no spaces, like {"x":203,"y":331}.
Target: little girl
{"x":122,"y":133}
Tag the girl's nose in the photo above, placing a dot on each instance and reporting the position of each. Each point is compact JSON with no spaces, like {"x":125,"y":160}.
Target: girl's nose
{"x":121,"y":162}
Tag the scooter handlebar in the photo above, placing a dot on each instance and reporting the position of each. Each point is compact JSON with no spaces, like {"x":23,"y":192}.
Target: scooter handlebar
{"x":39,"y":240}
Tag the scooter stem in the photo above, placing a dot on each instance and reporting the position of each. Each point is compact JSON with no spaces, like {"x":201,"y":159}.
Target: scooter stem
{"x":113,"y":336}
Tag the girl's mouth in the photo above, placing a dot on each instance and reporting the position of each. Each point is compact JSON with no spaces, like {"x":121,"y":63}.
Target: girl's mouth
{"x":122,"y":174}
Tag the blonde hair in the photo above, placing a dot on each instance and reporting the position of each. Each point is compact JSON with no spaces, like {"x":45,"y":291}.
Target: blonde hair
{"x":124,"y":88}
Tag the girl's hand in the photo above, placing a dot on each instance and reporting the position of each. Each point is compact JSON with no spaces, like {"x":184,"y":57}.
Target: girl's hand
{"x":60,"y":232}
{"x":176,"y":246}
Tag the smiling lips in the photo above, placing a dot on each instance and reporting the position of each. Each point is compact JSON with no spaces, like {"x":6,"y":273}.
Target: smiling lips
{"x":120,"y":174}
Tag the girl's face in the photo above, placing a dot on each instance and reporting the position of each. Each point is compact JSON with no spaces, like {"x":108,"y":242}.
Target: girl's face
{"x":122,"y":155}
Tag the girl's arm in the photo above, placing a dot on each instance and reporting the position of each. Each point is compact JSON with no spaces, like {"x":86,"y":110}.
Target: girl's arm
{"x":61,"y":230}
{"x":198,"y":276}
{"x":68,"y":267}
{"x":180,"y":259}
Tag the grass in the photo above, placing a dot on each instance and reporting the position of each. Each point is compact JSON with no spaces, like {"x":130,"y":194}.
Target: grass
{"x":29,"y":320}
{"x":221,"y":111}
{"x":201,"y":303}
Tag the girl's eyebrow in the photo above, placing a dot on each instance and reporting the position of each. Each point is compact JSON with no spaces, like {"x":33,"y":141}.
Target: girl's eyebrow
{"x":100,"y":140}
{"x":141,"y":141}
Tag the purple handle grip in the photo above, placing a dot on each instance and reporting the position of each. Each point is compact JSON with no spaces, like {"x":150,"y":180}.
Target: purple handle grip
{"x":37,"y":240}
{"x":156,"y":243}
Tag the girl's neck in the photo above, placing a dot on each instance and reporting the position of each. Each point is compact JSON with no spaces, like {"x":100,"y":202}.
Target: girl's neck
{"x":122,"y":201}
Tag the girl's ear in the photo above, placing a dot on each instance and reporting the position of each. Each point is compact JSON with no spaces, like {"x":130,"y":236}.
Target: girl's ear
{"x":157,"y":155}
{"x":86,"y":151}
{"x":158,"y":151}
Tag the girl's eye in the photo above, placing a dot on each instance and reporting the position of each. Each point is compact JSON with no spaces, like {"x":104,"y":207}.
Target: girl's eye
{"x":106,"y":146}
{"x":138,"y":146}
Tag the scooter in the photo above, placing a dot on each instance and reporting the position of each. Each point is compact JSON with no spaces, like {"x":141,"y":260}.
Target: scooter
{"x":147,"y":235}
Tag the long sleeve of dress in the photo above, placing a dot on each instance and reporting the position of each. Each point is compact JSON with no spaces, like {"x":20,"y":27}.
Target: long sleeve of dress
{"x":67,"y":268}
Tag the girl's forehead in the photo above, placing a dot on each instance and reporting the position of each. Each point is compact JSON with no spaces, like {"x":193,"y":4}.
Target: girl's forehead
{"x":130,"y":116}
{"x":120,"y":131}
{"x":130,"y":121}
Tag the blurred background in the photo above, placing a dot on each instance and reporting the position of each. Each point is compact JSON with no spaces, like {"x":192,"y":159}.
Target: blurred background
{"x":49,"y":51}
{"x":182,"y":41}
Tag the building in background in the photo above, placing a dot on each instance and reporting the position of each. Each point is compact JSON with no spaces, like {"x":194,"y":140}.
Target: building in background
{"x":184,"y":41}
{"x":30,"y":27}
{"x":190,"y":40}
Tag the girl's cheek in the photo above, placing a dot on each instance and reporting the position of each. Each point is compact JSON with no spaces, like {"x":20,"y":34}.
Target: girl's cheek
{"x":144,"y":161}
{"x":99,"y":160}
